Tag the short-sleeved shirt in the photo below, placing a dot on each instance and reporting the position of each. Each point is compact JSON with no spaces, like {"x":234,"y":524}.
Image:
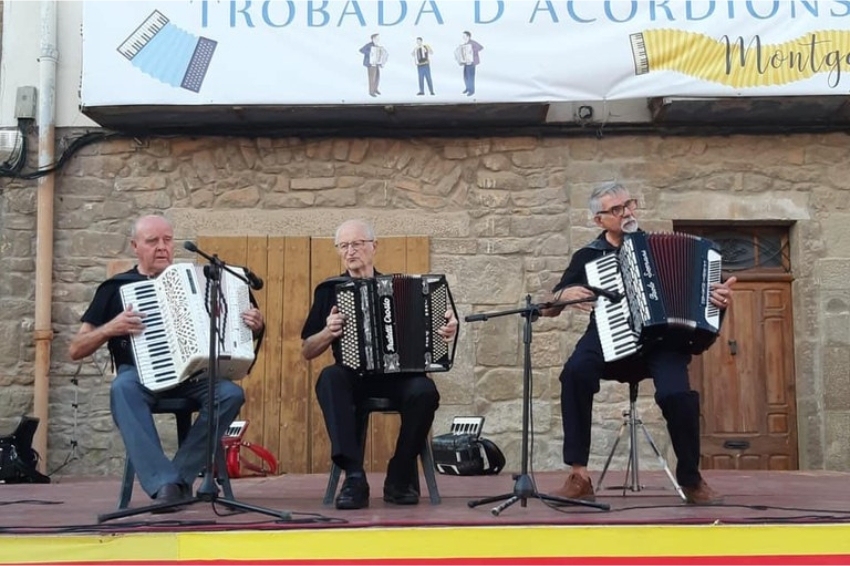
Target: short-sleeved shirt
{"x":106,"y":305}
{"x":575,"y":274}
{"x":324,"y":299}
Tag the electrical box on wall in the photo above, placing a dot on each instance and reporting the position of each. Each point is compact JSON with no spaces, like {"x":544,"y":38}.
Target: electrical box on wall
{"x":25,"y":102}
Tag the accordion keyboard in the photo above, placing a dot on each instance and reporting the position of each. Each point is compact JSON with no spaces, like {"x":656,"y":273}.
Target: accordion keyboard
{"x":151,"y":347}
{"x":618,"y":338}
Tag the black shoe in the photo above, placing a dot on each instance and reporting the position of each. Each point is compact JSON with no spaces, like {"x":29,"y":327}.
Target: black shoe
{"x":354,"y":494}
{"x":420,"y":94}
{"x":169,"y":493}
{"x":400,"y":495}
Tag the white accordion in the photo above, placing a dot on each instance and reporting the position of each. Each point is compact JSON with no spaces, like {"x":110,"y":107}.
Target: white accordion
{"x":175,"y":343}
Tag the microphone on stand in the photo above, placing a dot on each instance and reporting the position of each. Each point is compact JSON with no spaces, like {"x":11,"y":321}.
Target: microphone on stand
{"x":612,"y":296}
{"x":255,"y":282}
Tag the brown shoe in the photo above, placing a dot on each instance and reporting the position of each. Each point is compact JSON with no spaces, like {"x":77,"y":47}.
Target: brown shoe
{"x":701,"y":494}
{"x":576,"y":487}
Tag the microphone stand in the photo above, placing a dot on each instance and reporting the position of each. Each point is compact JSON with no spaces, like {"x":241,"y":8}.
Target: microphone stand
{"x":524,"y":487}
{"x":208,"y":491}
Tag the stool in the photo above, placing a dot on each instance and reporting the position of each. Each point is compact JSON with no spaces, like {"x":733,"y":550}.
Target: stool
{"x":632,"y":422}
{"x":182,"y":409}
{"x":384,"y":405}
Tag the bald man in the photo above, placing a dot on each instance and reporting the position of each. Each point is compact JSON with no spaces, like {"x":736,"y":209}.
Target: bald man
{"x":106,"y":321}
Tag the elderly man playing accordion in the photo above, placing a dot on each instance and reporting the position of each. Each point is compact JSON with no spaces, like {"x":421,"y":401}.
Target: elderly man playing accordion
{"x":106,"y":321}
{"x":339,"y":387}
{"x":614,"y":211}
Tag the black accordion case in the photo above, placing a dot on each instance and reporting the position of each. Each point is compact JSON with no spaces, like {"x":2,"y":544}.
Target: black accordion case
{"x":393,"y":322}
{"x":463,"y":452}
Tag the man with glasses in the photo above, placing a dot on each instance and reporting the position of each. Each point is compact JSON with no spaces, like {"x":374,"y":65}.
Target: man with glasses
{"x":339,"y":388}
{"x":614,"y":210}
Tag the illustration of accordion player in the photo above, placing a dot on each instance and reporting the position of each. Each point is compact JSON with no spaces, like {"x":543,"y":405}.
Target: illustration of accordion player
{"x":664,"y":280}
{"x":393,"y":322}
{"x":175,"y":343}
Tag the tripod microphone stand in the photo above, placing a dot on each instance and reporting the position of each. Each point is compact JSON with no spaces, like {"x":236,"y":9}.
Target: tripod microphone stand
{"x":207,"y":491}
{"x":524,"y":487}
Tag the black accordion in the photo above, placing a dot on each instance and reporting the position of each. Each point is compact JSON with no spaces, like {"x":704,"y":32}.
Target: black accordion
{"x":666,"y":280}
{"x":392,"y":322}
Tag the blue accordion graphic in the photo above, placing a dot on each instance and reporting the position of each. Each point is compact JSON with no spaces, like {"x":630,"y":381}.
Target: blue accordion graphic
{"x":167,"y":53}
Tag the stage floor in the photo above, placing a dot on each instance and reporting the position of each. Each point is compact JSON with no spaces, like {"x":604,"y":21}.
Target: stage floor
{"x":777,"y":517}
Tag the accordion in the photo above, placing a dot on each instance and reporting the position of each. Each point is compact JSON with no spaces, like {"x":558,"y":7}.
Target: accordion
{"x":175,"y":344}
{"x":665,"y":280}
{"x":392,"y":323}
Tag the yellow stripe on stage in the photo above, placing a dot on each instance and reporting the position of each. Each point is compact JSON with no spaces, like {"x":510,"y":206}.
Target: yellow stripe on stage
{"x":434,"y":544}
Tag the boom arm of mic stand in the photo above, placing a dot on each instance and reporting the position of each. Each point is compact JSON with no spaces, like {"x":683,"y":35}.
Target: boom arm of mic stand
{"x":531,"y":309}
{"x":217,"y":261}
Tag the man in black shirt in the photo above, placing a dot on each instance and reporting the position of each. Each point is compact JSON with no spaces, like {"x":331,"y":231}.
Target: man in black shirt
{"x":106,"y":321}
{"x":614,"y":211}
{"x":339,"y":388}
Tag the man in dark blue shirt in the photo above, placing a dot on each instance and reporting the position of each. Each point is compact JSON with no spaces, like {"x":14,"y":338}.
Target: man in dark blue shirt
{"x":614,"y":210}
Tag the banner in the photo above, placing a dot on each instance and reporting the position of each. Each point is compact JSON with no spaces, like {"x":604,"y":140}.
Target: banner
{"x":336,"y":52}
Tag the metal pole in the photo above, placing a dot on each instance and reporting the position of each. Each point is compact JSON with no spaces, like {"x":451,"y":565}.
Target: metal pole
{"x":43,"y":334}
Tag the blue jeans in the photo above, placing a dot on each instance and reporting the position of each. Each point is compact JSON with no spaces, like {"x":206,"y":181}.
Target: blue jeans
{"x":131,"y":402}
{"x":425,"y":76}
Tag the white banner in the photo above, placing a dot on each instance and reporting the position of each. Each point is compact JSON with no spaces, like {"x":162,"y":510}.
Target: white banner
{"x":277,"y":52}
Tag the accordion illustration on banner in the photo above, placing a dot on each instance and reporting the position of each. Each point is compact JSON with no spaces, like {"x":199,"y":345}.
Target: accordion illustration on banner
{"x":167,"y":53}
{"x":393,"y":322}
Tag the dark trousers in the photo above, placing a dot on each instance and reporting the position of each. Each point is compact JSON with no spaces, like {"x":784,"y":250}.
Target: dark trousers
{"x":669,"y":371}
{"x":339,"y":389}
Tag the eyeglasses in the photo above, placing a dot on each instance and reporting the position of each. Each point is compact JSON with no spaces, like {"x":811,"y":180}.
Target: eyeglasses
{"x":620,"y":209}
{"x":356,"y":245}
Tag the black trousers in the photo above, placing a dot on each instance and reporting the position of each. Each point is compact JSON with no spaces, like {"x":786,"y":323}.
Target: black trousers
{"x":338,"y":391}
{"x":669,"y":371}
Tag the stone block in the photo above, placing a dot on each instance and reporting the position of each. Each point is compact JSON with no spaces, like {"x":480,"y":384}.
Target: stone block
{"x":833,"y":274}
{"x":836,"y":440}
{"x":836,"y":373}
{"x":499,"y":384}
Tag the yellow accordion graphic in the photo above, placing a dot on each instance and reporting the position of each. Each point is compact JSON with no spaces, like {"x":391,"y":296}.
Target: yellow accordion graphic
{"x":741,"y":64}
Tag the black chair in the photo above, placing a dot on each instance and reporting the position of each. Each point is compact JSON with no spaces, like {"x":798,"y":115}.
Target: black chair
{"x":634,"y":425}
{"x":384,"y":405}
{"x":182,"y":409}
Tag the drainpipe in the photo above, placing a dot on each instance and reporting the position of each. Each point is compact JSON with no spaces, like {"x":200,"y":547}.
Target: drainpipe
{"x":43,"y":335}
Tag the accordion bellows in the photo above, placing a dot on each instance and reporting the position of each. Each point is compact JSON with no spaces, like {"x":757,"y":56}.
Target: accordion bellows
{"x":392,"y":322}
{"x":665,"y":279}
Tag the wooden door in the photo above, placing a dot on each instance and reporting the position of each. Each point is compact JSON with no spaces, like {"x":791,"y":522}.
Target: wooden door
{"x":747,"y":386}
{"x":280,"y":405}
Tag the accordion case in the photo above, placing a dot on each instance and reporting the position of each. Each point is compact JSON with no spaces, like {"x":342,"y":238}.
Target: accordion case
{"x":392,"y":323}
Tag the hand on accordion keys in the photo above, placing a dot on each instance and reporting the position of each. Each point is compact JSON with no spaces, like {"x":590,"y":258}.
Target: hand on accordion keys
{"x":449,"y":329}
{"x":721,"y":293}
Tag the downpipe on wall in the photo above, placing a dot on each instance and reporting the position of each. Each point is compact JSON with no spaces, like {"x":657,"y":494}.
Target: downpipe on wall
{"x":43,"y":335}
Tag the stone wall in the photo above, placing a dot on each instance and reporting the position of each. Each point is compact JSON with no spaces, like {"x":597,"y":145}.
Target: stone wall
{"x":503,"y":214}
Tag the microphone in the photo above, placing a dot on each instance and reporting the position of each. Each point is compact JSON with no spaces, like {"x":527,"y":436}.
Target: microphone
{"x":255,"y":282}
{"x":612,"y":296}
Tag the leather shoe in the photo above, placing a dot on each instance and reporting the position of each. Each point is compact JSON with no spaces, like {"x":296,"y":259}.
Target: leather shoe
{"x":169,"y":493}
{"x":354,"y":494}
{"x":576,"y":487}
{"x":400,"y":495}
{"x":701,"y":494}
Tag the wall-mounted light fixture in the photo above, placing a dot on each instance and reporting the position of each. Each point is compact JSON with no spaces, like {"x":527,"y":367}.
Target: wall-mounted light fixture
{"x":11,"y":145}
